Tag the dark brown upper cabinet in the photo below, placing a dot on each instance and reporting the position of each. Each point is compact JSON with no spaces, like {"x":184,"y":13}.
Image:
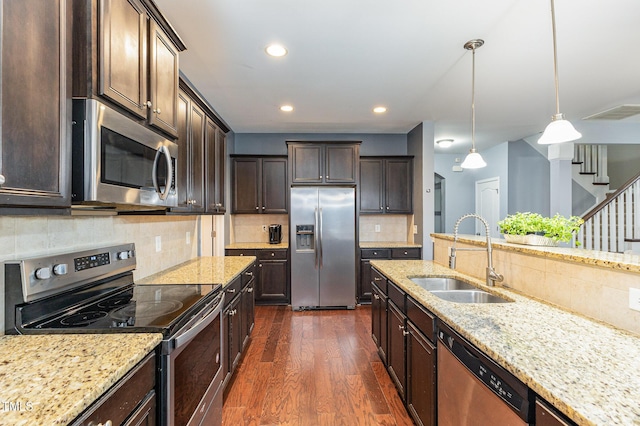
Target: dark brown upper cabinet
{"x":324,"y":163}
{"x":190,"y":182}
{"x":259,"y":184}
{"x":386,"y":185}
{"x":35,"y":95}
{"x":126,"y":52}
{"x":215,"y":160}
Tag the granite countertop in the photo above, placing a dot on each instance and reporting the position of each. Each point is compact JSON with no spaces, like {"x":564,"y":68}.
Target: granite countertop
{"x":51,"y":379}
{"x":387,"y":244}
{"x":588,"y":370}
{"x":202,"y":270}
{"x":256,"y":245}
{"x":618,"y":261}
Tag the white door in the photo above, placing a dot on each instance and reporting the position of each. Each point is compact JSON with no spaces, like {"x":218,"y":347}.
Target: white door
{"x":488,"y":205}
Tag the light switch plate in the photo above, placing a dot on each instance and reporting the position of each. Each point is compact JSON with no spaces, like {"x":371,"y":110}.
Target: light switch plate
{"x":188,"y":237}
{"x":158,"y":243}
{"x":415,"y":229}
{"x":377,"y":228}
{"x":634,"y":299}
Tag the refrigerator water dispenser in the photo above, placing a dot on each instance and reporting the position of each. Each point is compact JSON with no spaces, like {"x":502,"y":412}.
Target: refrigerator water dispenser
{"x":305,"y":238}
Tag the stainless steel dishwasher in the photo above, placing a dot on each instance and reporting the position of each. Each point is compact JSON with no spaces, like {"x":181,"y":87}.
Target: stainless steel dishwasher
{"x":474,"y":390}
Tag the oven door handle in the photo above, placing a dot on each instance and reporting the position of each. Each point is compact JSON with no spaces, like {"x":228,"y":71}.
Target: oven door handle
{"x":204,"y":322}
{"x":154,"y":173}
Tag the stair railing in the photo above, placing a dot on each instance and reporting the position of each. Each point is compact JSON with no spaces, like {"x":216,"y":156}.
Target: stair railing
{"x":616,"y":219}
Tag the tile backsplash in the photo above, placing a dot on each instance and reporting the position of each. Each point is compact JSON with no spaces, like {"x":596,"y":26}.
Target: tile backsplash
{"x":392,"y":227}
{"x":25,"y":237}
{"x":248,"y":228}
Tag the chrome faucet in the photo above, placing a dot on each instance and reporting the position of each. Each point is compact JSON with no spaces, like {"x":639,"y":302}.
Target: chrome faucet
{"x":492,"y":275}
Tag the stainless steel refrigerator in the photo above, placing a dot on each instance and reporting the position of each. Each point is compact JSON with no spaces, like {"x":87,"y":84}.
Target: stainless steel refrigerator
{"x":323,"y":247}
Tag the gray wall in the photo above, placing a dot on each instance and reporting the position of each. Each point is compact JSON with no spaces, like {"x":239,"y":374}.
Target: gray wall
{"x":582,"y":200}
{"x":528,"y":185}
{"x":275,"y":143}
{"x":460,"y":198}
{"x":623,"y":163}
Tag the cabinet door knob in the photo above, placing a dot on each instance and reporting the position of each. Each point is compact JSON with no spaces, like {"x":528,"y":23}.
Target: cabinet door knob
{"x":375,"y":253}
{"x":2,"y":179}
{"x":381,"y":208}
{"x":260,"y":265}
{"x":263,"y":207}
{"x":387,"y":207}
{"x":375,"y":296}
{"x":272,"y":254}
{"x":157,"y":111}
{"x":257,"y":208}
{"x":405,"y":253}
{"x":149,"y":104}
{"x":250,"y":290}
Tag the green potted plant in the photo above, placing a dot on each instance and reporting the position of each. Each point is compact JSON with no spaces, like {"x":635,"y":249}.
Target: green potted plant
{"x":535,"y":229}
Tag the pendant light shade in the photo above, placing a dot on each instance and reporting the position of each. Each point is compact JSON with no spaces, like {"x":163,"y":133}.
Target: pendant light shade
{"x":559,"y":130}
{"x":474,"y":159}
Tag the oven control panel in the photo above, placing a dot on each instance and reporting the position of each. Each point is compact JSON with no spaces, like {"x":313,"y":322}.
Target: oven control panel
{"x":92,"y":261}
{"x":46,"y":276}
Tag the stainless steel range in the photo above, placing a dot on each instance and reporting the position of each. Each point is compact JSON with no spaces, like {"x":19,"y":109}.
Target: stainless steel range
{"x":93,"y":291}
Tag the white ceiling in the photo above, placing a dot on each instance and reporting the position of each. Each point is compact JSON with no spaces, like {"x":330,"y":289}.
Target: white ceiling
{"x":347,"y":56}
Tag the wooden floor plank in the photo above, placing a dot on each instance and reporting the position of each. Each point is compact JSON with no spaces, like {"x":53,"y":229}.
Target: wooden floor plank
{"x":312,"y":368}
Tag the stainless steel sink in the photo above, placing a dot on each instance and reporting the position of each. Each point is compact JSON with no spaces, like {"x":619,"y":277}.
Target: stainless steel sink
{"x":468,"y":296}
{"x":436,"y":283}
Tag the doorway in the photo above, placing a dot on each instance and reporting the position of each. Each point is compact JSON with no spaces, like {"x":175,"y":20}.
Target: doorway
{"x":488,"y":205}
{"x":438,"y":204}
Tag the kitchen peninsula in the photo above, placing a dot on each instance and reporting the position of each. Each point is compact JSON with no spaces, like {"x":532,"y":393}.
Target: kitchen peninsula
{"x":586,"y":369}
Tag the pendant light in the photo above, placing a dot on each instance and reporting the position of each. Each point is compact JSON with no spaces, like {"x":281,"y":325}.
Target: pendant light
{"x":559,"y":130}
{"x":474,"y":159}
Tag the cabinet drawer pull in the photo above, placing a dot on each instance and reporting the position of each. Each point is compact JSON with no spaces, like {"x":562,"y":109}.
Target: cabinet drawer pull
{"x":377,"y":279}
{"x":260,"y":265}
{"x":375,"y":296}
{"x":272,"y":254}
{"x":406,"y":253}
{"x":250,"y":290}
{"x":249,"y":273}
{"x":405,"y":333}
{"x":231,"y":290}
{"x":2,"y":179}
{"x":375,"y":253}
{"x":241,"y":254}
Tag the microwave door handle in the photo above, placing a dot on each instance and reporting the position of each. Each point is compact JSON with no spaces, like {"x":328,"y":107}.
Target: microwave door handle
{"x":154,"y":173}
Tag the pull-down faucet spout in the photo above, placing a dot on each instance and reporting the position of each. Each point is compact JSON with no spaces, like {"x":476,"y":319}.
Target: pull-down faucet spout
{"x":491,"y":275}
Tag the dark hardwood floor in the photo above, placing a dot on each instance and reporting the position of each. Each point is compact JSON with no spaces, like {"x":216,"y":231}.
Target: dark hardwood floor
{"x":312,"y":368}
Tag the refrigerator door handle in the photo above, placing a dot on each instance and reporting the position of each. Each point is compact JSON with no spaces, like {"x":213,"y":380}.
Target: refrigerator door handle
{"x":316,"y":250}
{"x":320,"y":233}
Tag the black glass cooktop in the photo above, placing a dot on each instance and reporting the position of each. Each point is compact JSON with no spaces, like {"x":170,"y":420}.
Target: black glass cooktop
{"x":133,"y":308}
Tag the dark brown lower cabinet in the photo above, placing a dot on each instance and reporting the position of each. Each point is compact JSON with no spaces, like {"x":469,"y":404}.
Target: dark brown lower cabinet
{"x":237,"y":319}
{"x":421,"y":377}
{"x":271,"y":286}
{"x":396,"y":362}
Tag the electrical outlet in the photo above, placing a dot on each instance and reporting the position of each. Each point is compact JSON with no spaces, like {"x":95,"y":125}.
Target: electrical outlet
{"x":188,"y":237}
{"x":158,"y":243}
{"x":377,"y":228}
{"x":264,"y":228}
{"x":634,"y":299}
{"x":415,"y":229}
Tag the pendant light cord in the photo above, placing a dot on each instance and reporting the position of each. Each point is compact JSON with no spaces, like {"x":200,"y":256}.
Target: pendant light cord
{"x":473,"y":98}
{"x":555,"y":56}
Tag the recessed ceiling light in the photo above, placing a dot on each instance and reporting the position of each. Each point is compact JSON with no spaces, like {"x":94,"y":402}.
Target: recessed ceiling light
{"x":276,"y":50}
{"x":445,"y":143}
{"x":286,"y":108}
{"x":379,"y":110}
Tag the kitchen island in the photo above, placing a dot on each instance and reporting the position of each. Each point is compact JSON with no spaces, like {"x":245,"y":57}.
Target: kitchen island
{"x":51,"y":379}
{"x":586,"y":369}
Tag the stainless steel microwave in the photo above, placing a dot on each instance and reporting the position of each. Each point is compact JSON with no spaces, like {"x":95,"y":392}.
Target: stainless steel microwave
{"x":118,"y":162}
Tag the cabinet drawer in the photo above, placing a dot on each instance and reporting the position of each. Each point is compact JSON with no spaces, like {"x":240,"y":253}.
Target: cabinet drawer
{"x":405,"y":253}
{"x":119,"y":402}
{"x":248,"y":274}
{"x":397,"y":295}
{"x":272,"y":255}
{"x":239,"y":252}
{"x":232,"y":290}
{"x":423,"y":319}
{"x":379,"y":280}
{"x":374,"y":253}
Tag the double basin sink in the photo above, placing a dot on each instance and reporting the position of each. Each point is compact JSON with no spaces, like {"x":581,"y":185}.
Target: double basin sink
{"x":454,"y":290}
